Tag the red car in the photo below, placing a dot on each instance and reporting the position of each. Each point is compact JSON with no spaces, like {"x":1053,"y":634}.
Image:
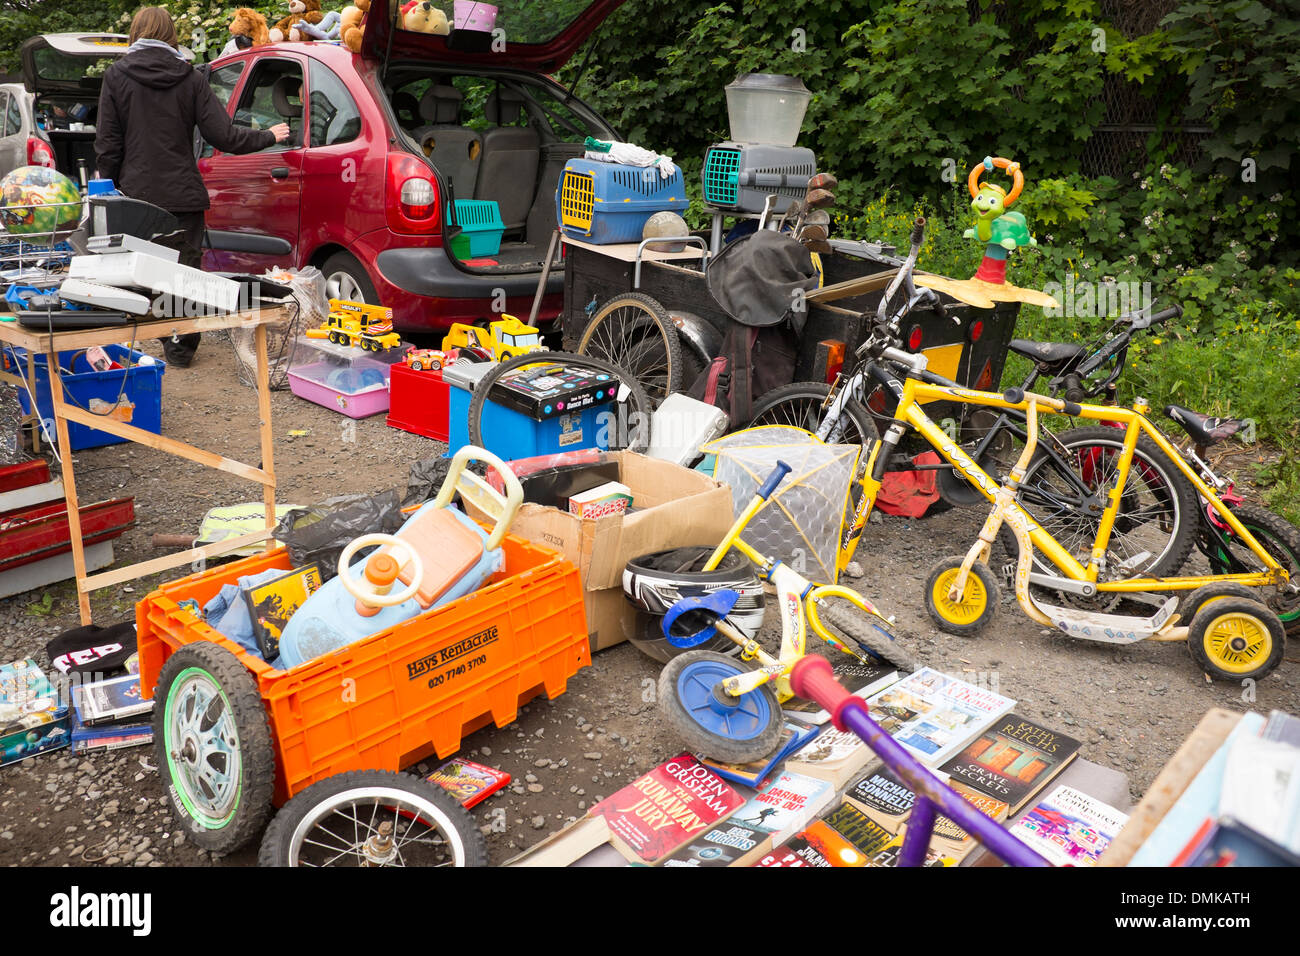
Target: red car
{"x":380,"y":144}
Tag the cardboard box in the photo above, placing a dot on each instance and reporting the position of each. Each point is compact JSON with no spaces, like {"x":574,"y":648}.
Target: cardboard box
{"x":674,"y":507}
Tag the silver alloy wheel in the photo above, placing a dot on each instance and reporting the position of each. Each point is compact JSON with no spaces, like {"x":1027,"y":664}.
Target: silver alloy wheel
{"x":204,"y":746}
{"x":341,"y":285}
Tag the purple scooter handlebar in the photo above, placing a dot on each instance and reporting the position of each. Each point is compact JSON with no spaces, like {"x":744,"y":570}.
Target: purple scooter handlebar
{"x":812,"y":678}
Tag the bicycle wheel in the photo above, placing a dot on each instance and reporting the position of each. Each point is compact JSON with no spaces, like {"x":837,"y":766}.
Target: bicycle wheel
{"x":730,"y":729}
{"x":1229,"y":555}
{"x":629,"y":428}
{"x":635,"y":332}
{"x":1156,"y":525}
{"x":868,"y":633}
{"x":373,"y":818}
{"x":800,"y":405}
{"x":213,"y":746}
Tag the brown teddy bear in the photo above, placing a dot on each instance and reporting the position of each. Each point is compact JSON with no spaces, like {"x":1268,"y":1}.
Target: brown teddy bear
{"x":247,"y":29}
{"x":352,"y":24}
{"x":308,"y":10}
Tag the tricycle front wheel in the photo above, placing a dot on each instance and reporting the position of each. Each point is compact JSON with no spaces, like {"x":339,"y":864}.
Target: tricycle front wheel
{"x":214,"y":746}
{"x":731,"y":729}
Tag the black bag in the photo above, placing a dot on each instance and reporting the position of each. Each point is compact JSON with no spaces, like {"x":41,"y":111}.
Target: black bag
{"x":753,"y":361}
{"x":320,"y":533}
{"x":760,"y":281}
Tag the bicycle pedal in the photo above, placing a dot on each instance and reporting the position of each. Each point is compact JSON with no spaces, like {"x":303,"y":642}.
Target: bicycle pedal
{"x":749,"y":651}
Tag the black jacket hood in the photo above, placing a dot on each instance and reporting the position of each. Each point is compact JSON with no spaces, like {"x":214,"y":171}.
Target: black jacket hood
{"x":154,"y":68}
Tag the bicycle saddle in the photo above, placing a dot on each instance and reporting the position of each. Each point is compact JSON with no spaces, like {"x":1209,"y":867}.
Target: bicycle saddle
{"x":1203,"y":429}
{"x":1047,"y":353}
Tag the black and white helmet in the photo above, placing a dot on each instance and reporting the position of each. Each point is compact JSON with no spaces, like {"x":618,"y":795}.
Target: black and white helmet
{"x":655,"y":582}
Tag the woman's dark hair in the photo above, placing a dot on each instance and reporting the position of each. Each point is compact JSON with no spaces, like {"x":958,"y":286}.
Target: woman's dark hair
{"x":153,"y":23}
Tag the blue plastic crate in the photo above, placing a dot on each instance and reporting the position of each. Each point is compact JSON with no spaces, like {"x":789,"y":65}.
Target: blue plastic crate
{"x":481,"y":228}
{"x":140,"y":384}
{"x":605,"y":203}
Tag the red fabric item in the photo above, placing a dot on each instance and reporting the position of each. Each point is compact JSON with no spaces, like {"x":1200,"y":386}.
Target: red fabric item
{"x":909,"y":494}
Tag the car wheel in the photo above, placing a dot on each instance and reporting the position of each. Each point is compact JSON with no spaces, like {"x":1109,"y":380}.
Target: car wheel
{"x":346,"y":279}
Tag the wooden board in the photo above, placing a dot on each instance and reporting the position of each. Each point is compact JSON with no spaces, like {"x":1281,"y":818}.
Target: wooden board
{"x":1200,"y":745}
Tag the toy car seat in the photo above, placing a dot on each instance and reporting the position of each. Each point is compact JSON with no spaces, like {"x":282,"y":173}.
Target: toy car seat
{"x":438,"y":555}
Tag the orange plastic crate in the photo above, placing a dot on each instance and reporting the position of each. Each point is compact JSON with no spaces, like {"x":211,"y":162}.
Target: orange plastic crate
{"x":405,"y":693}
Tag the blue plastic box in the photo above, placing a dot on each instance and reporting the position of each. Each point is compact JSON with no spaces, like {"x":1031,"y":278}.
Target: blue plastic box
{"x":140,"y":384}
{"x":605,"y":203}
{"x":510,"y":434}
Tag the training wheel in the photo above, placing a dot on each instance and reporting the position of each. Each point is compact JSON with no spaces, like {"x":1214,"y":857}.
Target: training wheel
{"x":968,"y":612}
{"x":373,"y":586}
{"x":1236,"y":639}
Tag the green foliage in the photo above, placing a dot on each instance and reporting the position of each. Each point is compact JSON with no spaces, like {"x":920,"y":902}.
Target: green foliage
{"x":1242,"y":62}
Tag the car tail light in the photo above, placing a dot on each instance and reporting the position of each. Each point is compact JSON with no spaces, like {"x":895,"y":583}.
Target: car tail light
{"x":39,"y":152}
{"x":411,"y":196}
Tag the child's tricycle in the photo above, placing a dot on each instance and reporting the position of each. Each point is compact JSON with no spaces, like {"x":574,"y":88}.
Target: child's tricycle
{"x":235,"y":735}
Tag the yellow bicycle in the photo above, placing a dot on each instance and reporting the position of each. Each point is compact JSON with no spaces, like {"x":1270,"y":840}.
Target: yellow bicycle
{"x":1232,"y":634}
{"x":731,"y":710}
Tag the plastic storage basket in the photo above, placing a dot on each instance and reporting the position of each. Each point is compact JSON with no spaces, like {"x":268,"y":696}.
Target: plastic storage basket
{"x":608,"y":202}
{"x":139,"y":385}
{"x":411,"y":693}
{"x":481,"y":228}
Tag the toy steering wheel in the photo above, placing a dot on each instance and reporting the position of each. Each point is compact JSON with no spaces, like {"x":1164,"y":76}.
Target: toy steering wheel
{"x":374,"y":587}
{"x":997,"y":162}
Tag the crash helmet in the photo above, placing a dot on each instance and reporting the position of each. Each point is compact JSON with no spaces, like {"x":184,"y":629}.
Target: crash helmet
{"x":653,"y":583}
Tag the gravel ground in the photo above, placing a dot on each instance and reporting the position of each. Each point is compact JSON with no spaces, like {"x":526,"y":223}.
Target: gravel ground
{"x":1131,"y":707}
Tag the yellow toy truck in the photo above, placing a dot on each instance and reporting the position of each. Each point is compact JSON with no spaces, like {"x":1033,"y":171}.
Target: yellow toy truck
{"x":354,"y":323}
{"x":508,"y":337}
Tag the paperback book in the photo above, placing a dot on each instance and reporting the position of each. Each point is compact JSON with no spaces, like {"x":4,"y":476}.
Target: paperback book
{"x":105,"y":737}
{"x":883,"y":797}
{"x":1070,"y":828}
{"x":469,"y":782}
{"x":1012,"y":761}
{"x":272,"y":603}
{"x":785,"y":804}
{"x":110,"y":701}
{"x":794,"y":736}
{"x":950,"y":840}
{"x":724,"y":844}
{"x":663,"y":809}
{"x":835,"y":756}
{"x":861,"y":679}
{"x":934,"y":715}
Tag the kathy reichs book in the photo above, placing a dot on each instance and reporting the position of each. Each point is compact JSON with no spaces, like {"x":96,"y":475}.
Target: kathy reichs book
{"x":1012,"y":761}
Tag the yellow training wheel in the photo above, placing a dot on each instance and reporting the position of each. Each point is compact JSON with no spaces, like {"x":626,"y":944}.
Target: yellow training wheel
{"x":972,"y":609}
{"x":1233,"y":638}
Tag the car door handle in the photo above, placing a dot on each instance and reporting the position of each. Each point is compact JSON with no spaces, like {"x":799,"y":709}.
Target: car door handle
{"x":280,"y":172}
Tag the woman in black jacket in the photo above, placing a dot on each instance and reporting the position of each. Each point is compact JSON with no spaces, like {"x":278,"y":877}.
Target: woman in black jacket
{"x":151,"y":102}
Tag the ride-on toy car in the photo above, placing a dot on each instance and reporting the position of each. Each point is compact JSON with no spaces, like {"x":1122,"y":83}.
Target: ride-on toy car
{"x":235,"y":735}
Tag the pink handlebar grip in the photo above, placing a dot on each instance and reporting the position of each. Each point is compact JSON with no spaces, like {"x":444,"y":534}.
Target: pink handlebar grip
{"x":813,"y":678}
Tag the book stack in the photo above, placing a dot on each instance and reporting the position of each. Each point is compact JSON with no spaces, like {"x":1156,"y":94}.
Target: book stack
{"x":110,"y":714}
{"x":33,"y":717}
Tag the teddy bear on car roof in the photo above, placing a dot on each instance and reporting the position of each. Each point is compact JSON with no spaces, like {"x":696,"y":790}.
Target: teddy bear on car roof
{"x":299,"y":10}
